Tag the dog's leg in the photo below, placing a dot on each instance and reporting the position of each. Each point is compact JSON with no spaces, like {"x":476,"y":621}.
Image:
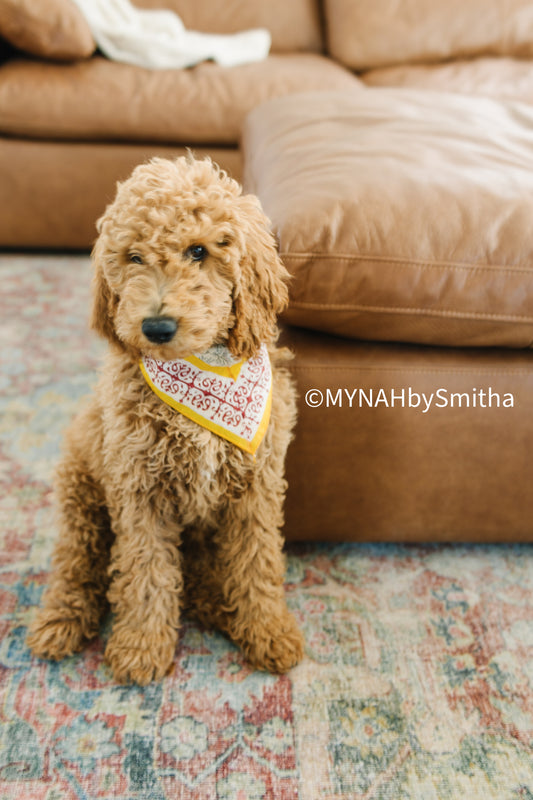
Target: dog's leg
{"x":252,"y":568}
{"x":75,"y":598}
{"x":145,"y":593}
{"x":203,"y":598}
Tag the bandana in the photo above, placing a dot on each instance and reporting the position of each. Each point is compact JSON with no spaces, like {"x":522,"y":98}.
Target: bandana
{"x":228,"y":397}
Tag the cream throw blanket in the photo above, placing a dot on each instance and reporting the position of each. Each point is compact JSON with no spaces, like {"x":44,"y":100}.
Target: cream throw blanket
{"x":158,"y":39}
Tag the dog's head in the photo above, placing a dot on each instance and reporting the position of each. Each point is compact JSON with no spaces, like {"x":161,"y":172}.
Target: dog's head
{"x":183,"y":261}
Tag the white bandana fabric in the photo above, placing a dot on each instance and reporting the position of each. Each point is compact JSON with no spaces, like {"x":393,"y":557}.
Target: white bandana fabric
{"x":228,"y":397}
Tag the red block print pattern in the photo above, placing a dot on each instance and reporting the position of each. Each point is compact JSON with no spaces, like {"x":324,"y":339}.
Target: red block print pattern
{"x":235,"y":405}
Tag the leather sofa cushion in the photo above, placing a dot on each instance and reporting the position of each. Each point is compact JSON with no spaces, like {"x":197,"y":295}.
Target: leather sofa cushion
{"x":103,"y":100}
{"x":373,"y":33}
{"x":501,"y":78}
{"x":46,"y":28}
{"x":293,"y":24}
{"x":402,"y":215}
{"x":56,"y":28}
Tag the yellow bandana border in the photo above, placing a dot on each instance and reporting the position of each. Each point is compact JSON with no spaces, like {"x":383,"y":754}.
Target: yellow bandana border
{"x":228,"y":372}
{"x":234,"y":438}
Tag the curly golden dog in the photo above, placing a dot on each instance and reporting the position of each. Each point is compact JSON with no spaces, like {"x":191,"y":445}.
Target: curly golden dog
{"x":158,"y":514}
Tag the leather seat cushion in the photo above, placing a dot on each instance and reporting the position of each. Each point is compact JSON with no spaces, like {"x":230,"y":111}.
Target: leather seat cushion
{"x":402,"y":215}
{"x":104,"y":100}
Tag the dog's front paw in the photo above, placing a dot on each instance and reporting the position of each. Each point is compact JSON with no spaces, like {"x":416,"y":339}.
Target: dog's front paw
{"x":275,"y":646}
{"x":56,"y":633}
{"x":140,"y":656}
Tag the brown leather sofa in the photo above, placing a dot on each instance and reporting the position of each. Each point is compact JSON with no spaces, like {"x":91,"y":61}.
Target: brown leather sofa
{"x":70,"y":127}
{"x":392,"y":147}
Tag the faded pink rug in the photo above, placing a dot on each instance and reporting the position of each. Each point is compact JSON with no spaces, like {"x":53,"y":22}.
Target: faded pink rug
{"x":418,"y":677}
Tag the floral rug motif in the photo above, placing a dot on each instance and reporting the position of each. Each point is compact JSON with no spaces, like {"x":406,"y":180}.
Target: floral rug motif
{"x":418,"y":678}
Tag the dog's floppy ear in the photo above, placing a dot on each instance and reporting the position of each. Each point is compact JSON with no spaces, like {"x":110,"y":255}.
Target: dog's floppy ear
{"x":104,"y":299}
{"x":260,"y":293}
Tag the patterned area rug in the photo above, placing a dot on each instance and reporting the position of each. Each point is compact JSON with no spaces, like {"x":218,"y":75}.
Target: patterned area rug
{"x":417,"y":681}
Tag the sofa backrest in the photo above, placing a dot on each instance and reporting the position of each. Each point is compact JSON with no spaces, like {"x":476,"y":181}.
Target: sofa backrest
{"x":364,"y":34}
{"x":293,"y":24}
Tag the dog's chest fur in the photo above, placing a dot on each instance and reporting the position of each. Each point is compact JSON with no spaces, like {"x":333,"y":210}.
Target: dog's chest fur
{"x":197,"y":471}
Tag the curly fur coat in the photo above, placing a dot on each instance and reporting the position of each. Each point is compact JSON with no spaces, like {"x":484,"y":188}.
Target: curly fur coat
{"x":158,"y":514}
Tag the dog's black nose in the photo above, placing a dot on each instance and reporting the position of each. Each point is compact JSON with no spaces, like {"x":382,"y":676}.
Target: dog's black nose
{"x":159,"y":329}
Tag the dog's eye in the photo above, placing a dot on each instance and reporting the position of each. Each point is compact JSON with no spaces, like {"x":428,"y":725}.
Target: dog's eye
{"x":135,"y":258}
{"x":196,"y":252}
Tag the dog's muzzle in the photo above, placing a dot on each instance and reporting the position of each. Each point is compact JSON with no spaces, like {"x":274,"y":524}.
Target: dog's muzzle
{"x":159,"y":330}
